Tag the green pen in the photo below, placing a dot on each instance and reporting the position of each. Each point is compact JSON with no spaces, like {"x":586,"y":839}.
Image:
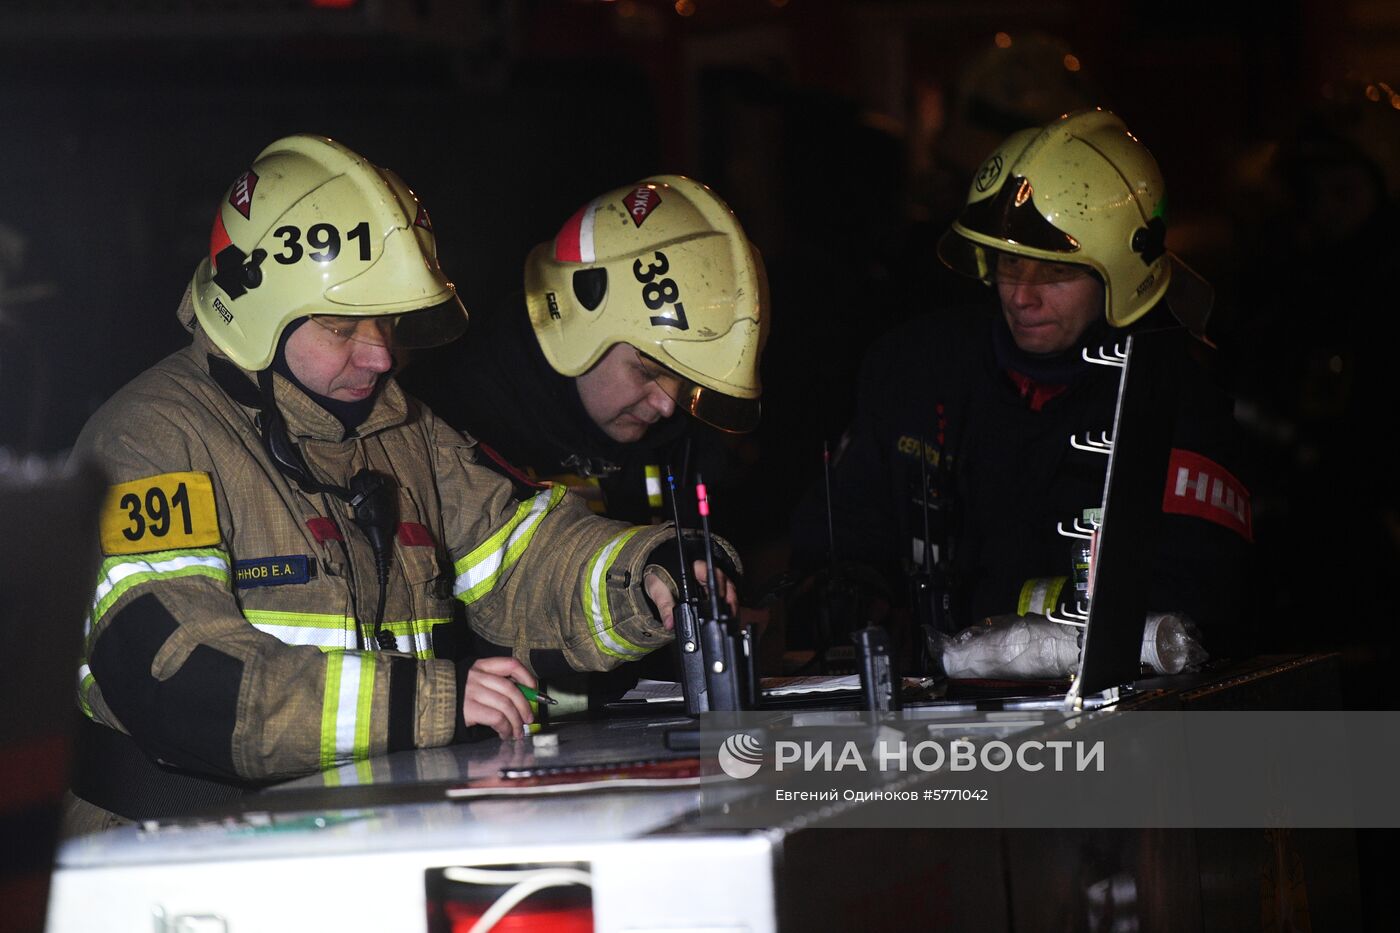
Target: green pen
{"x":534,"y":696}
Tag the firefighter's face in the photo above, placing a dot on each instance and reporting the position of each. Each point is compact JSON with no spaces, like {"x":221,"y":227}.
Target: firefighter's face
{"x":342,"y":358}
{"x":625,"y":393}
{"x":1047,"y":305}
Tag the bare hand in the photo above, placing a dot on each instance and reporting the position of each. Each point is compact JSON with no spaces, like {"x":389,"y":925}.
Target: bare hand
{"x":492,"y":699}
{"x":660,"y":593}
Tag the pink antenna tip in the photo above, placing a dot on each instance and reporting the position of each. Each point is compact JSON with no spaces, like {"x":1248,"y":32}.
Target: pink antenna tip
{"x":704,"y":499}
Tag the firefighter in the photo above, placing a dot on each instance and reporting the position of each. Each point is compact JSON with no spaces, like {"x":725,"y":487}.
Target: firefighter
{"x":637,"y":349}
{"x":959,"y":466}
{"x":302,"y":565}
{"x":649,"y":305}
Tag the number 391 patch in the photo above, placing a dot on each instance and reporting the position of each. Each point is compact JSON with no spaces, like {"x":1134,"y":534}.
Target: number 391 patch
{"x":158,"y":513}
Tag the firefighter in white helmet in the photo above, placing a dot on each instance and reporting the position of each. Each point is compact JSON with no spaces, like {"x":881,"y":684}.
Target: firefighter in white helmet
{"x":637,"y":349}
{"x":648,"y":309}
{"x":958,"y":468}
{"x":303,"y":566}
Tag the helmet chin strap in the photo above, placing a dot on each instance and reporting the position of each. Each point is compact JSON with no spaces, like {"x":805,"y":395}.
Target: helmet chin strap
{"x":372,"y":496}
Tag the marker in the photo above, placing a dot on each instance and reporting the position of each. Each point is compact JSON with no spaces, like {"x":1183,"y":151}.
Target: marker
{"x":534,"y":696}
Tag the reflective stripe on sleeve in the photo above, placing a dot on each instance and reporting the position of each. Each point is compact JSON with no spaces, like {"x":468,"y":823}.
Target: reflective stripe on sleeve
{"x":117,"y":575}
{"x":1039,"y":595}
{"x":85,"y":682}
{"x":345,"y":710}
{"x":480,"y":571}
{"x":653,"y":473}
{"x":595,"y":602}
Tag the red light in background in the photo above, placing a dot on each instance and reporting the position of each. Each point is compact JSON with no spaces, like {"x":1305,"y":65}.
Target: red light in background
{"x":333,"y":4}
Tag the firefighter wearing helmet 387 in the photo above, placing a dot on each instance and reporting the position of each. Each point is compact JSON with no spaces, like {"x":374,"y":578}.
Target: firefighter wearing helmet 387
{"x":1066,"y":224}
{"x":645,"y":314}
{"x":295,"y":552}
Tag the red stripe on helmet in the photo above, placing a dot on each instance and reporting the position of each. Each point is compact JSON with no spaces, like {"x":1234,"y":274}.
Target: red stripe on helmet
{"x":218,"y":239}
{"x":566,"y":245}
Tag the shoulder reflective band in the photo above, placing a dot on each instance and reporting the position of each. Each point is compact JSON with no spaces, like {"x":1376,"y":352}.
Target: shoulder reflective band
{"x":595,"y":601}
{"x":1039,"y":595}
{"x":117,"y":575}
{"x":479,"y":571}
{"x":159,"y":513}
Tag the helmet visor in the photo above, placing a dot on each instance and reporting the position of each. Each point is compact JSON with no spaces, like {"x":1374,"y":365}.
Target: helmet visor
{"x":1011,"y":269}
{"x":726,"y":412}
{"x":1011,"y":215}
{"x":411,"y":330}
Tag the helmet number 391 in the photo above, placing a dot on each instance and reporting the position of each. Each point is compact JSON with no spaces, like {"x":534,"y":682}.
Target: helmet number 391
{"x":324,"y":240}
{"x":656,"y":294}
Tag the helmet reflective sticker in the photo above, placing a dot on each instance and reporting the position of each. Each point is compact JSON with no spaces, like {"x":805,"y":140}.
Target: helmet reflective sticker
{"x":241,"y":194}
{"x":575,"y":240}
{"x":641,"y":202}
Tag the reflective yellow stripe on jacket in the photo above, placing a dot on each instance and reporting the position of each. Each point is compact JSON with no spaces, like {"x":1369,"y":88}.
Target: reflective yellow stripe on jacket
{"x":480,"y":571}
{"x":331,"y":632}
{"x":595,"y":601}
{"x":345,"y":712}
{"x":119,"y":575}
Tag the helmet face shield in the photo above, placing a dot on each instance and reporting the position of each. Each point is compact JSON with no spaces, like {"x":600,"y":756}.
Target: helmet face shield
{"x":411,"y":330}
{"x":1014,"y":217}
{"x":726,"y":412}
{"x":1011,"y":269}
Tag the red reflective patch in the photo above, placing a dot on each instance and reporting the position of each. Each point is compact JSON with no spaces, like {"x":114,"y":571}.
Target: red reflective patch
{"x":422,"y":219}
{"x":323,"y":530}
{"x":1199,"y":486}
{"x":640,"y":203}
{"x":412,"y":534}
{"x":241,"y":195}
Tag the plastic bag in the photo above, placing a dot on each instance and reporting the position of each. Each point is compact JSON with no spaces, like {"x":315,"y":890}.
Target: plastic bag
{"x":1032,"y":647}
{"x":1017,"y":647}
{"x":1171,"y":644}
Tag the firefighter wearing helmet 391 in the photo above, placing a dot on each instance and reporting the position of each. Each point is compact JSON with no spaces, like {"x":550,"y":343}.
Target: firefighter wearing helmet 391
{"x":294,"y":550}
{"x":1066,"y":225}
{"x":648,"y":309}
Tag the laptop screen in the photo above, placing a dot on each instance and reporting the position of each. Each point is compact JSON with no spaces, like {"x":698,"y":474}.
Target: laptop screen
{"x":1143,"y":427}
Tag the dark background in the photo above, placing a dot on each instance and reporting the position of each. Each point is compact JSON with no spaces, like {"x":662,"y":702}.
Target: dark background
{"x":842,"y":133}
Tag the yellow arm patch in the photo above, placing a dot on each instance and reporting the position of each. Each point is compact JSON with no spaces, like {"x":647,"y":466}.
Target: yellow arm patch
{"x":159,"y":513}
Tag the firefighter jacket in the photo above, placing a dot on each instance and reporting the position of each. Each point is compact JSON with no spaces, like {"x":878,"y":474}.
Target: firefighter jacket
{"x":993,"y":427}
{"x":229,"y":629}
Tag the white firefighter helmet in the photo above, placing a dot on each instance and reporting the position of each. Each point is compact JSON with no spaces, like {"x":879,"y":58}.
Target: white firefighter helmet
{"x":664,"y":266}
{"x":1082,"y":190}
{"x":314,"y":229}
